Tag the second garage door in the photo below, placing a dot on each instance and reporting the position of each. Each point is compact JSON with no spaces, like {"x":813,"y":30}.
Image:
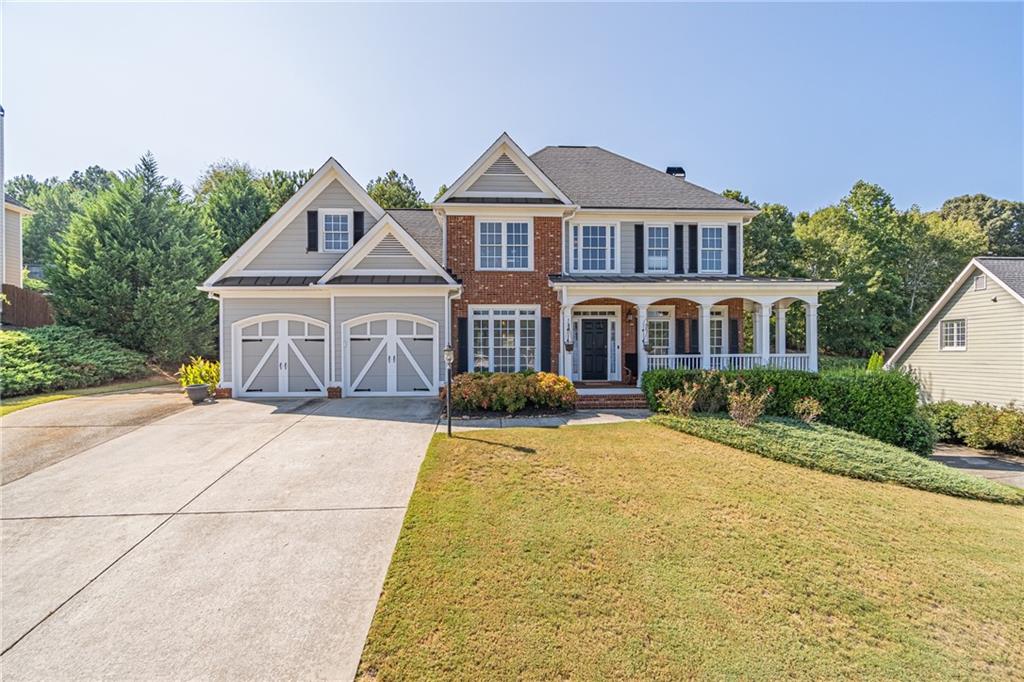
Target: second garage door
{"x":390,"y":354}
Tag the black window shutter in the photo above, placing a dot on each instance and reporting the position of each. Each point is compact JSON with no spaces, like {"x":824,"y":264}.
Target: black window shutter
{"x":545,"y":344}
{"x":734,"y":335}
{"x":463,"y":331}
{"x":693,"y":248}
{"x":694,"y":336}
{"x":680,"y":337}
{"x":680,"y":265}
{"x":312,"y":231}
{"x":638,"y":248}
{"x":357,"y":226}
{"x":733,"y":260}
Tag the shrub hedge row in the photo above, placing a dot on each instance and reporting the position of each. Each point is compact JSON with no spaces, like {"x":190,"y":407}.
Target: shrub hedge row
{"x":511,"y":392}
{"x":56,"y":357}
{"x":881,"y":405}
{"x":979,"y":425}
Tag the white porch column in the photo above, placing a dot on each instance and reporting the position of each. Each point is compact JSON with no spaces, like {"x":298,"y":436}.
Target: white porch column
{"x":755,"y":316}
{"x":565,"y":335}
{"x":780,"y":329}
{"x":764,"y":326}
{"x":641,"y":340}
{"x":812,"y":335}
{"x":705,"y":336}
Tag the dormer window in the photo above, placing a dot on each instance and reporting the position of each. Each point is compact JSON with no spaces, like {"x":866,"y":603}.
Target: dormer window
{"x":712,"y":248}
{"x":504,"y":244}
{"x":335,"y":229}
{"x":595,"y":247}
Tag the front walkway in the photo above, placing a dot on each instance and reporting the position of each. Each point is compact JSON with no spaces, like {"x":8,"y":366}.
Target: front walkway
{"x":235,"y":540}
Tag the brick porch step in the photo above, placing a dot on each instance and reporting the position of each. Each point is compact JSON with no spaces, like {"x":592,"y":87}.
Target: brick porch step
{"x":611,"y":402}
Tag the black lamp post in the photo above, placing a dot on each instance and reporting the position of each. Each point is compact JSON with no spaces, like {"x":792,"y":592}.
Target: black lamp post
{"x":449,"y":358}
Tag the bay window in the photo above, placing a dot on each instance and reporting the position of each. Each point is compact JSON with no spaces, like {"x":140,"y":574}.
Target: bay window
{"x":659,"y":246}
{"x":504,"y":244}
{"x":594,"y":247}
{"x":504,"y":339}
{"x":711,"y":248}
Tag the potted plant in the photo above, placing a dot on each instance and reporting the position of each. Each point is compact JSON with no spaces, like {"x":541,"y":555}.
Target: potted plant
{"x":198,"y":378}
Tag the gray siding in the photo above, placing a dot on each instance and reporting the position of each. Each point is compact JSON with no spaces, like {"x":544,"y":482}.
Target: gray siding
{"x":236,"y":309}
{"x":627,"y":261}
{"x":992,"y":368}
{"x":503,"y":176}
{"x":349,"y":307}
{"x":288,"y":250}
{"x":389,"y":254}
{"x":12,"y":248}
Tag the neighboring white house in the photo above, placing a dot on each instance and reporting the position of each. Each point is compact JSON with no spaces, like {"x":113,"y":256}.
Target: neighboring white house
{"x":970,"y":346}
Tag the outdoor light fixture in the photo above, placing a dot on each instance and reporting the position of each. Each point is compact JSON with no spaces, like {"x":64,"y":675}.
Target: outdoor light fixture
{"x":569,"y":345}
{"x":449,"y":358}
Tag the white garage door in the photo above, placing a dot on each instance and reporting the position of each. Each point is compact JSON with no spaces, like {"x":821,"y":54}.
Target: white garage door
{"x":390,"y":354}
{"x":283,"y":355}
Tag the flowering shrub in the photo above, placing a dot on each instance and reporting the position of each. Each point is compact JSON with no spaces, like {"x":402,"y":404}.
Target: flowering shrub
{"x":986,"y":426}
{"x":807,"y":409}
{"x":679,"y":402}
{"x":511,"y":392}
{"x":745,"y":406}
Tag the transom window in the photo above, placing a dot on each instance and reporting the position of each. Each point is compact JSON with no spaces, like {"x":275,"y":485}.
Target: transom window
{"x":711,"y":248}
{"x":658,"y":248}
{"x":504,"y":339}
{"x":504,"y":245}
{"x":335,"y":229}
{"x":594,"y":248}
{"x":953,"y":335}
{"x":659,"y":331}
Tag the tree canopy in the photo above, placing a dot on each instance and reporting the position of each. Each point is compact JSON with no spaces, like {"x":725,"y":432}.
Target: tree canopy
{"x":1001,"y":220}
{"x":234,"y":202}
{"x":395,"y":191}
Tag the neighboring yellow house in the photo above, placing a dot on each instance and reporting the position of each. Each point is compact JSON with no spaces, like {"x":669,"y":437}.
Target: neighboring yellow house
{"x":10,"y":245}
{"x":970,"y":346}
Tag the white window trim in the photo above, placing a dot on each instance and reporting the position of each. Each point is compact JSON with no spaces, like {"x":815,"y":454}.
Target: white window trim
{"x":671,"y":310}
{"x":982,"y":280}
{"x":952,"y":349}
{"x":471,"y":340}
{"x":322,"y":214}
{"x":504,"y":245}
{"x":670,"y":260}
{"x":576,"y":251}
{"x":720,"y":312}
{"x":700,"y":248}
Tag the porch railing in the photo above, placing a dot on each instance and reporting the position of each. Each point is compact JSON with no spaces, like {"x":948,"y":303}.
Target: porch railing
{"x":730,"y":361}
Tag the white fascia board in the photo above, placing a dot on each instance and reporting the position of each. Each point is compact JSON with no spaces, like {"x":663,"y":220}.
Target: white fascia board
{"x":385,"y":290}
{"x":267,"y":292}
{"x":653,"y":291}
{"x":18,"y":209}
{"x":330,"y":171}
{"x":385,"y":226}
{"x":508,"y":145}
{"x":552,"y":210}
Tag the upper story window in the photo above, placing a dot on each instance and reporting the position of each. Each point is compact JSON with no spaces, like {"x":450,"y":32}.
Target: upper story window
{"x":595,"y":247}
{"x":953,"y":335}
{"x":659,"y":248}
{"x":712,"y":248}
{"x":335,"y":229}
{"x":504,"y":244}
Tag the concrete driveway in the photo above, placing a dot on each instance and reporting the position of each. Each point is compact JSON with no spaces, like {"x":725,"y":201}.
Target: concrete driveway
{"x":233,"y":540}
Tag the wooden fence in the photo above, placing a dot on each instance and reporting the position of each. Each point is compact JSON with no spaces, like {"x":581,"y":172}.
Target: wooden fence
{"x":25,"y":308}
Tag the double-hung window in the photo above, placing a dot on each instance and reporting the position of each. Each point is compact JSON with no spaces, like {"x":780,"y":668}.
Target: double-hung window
{"x":335,"y":229}
{"x":659,"y":245}
{"x":504,"y":245}
{"x":659,"y":331}
{"x":594,"y":247}
{"x":711,"y":248}
{"x":504,"y":339}
{"x":953,"y":335}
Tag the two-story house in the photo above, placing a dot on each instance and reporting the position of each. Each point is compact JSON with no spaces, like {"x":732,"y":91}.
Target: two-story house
{"x":573,"y":260}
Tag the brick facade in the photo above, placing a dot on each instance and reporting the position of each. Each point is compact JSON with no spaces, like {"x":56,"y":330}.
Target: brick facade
{"x":507,"y":288}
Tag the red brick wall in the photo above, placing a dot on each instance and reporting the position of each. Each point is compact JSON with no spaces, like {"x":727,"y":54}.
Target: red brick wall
{"x":507,"y":288}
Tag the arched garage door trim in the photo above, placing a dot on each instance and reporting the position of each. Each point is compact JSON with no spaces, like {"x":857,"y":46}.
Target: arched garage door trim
{"x":391,"y":342}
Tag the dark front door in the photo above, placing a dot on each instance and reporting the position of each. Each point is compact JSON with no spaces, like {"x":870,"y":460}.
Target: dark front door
{"x":595,"y":349}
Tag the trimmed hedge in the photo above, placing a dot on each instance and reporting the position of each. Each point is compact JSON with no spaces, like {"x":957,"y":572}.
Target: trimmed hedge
{"x":880,"y":405}
{"x":55,"y":357}
{"x":511,"y":392}
{"x":840,"y":452}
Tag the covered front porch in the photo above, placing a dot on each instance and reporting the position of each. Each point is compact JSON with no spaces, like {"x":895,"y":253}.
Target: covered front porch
{"x":613,"y":332}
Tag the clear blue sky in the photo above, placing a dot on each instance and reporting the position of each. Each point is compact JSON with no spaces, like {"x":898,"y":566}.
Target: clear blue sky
{"x":789,"y":103}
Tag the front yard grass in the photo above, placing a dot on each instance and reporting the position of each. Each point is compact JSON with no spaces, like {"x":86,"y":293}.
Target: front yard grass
{"x":634,"y":551}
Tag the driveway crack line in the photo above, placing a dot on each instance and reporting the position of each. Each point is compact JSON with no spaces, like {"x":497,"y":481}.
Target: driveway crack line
{"x":154,"y":530}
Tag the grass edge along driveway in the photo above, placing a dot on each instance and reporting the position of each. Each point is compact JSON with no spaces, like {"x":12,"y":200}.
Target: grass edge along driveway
{"x":633,"y":551}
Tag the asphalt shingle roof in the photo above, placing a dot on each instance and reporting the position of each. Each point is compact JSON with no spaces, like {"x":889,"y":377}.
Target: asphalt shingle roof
{"x":8,"y":199}
{"x":422,"y":225}
{"x":265,"y":281}
{"x":597,"y":178}
{"x":1010,"y":271}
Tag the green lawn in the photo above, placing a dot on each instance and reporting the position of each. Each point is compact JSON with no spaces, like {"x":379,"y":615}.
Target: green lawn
{"x":9,"y":405}
{"x":633,"y":551}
